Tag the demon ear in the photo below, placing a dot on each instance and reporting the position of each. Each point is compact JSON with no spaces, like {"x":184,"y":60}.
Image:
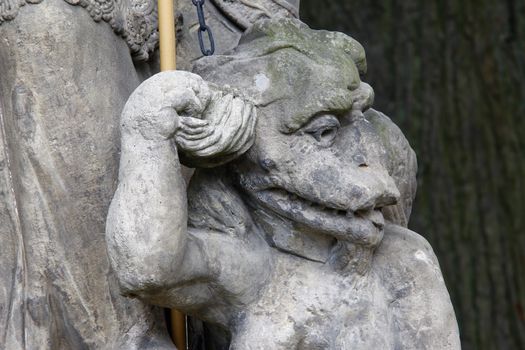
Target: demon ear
{"x":231,"y":119}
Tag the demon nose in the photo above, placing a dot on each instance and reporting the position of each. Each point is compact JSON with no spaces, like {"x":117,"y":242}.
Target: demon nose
{"x":388,"y":197}
{"x":374,"y":192}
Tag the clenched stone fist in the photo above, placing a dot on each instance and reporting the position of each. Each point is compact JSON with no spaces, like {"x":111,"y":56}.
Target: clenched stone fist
{"x":209,"y":124}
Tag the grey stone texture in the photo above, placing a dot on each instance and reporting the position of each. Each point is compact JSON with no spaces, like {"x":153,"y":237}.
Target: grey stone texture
{"x":66,"y":71}
{"x":59,"y":161}
{"x":292,"y":232}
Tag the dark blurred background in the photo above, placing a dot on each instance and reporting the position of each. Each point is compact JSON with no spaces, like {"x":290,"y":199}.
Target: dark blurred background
{"x":451,"y":74}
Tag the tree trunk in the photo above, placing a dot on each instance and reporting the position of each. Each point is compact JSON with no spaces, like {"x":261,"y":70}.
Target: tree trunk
{"x":451,"y":74}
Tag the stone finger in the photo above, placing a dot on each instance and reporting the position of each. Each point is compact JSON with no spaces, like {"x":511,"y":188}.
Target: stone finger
{"x":193,"y":122}
{"x":193,"y":131}
{"x":199,"y":136}
{"x":197,"y":145}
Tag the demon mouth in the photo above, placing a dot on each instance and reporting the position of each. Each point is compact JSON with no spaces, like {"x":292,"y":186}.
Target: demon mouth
{"x":303,"y":202}
{"x":320,"y":216}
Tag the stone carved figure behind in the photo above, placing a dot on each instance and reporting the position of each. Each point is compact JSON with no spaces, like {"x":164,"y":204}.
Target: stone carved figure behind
{"x":66,"y":70}
{"x":290,"y":235}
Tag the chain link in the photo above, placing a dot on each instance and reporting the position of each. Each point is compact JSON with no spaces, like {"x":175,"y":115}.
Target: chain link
{"x":203,"y":28}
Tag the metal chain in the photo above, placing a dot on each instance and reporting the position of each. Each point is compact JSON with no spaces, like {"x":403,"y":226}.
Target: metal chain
{"x":203,"y":28}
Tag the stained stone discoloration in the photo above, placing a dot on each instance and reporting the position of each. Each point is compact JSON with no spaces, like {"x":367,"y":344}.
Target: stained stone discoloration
{"x":135,"y":21}
{"x":295,"y":239}
{"x":66,"y":70}
{"x":59,"y":143}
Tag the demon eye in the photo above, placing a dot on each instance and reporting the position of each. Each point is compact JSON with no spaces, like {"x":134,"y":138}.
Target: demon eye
{"x":323,"y":129}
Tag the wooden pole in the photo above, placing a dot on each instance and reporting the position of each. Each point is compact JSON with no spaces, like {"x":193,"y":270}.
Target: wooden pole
{"x":168,"y":61}
{"x":168,"y":57}
{"x":178,"y":329}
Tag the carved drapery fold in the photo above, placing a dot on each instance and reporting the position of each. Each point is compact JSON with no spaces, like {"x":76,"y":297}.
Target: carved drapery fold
{"x":134,"y":20}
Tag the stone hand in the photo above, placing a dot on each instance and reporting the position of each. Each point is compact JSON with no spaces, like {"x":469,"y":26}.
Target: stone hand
{"x":209,"y":124}
{"x":226,"y":129}
{"x":166,"y":103}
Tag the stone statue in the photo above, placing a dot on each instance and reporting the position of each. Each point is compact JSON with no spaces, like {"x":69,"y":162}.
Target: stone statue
{"x":66,"y":70}
{"x":290,"y":234}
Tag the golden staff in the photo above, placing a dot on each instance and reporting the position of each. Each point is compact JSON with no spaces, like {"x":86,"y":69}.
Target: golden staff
{"x":168,"y":61}
{"x":178,"y":329}
{"x":168,"y":57}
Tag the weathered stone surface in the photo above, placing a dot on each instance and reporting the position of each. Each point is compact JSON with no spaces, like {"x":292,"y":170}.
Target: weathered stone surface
{"x":227,"y":19}
{"x":286,"y":245}
{"x":61,"y":98}
{"x":66,"y":70}
{"x":136,"y":20}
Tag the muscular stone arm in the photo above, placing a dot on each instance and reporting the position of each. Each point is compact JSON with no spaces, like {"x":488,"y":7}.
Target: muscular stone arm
{"x":151,"y":250}
{"x":146,"y":226}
